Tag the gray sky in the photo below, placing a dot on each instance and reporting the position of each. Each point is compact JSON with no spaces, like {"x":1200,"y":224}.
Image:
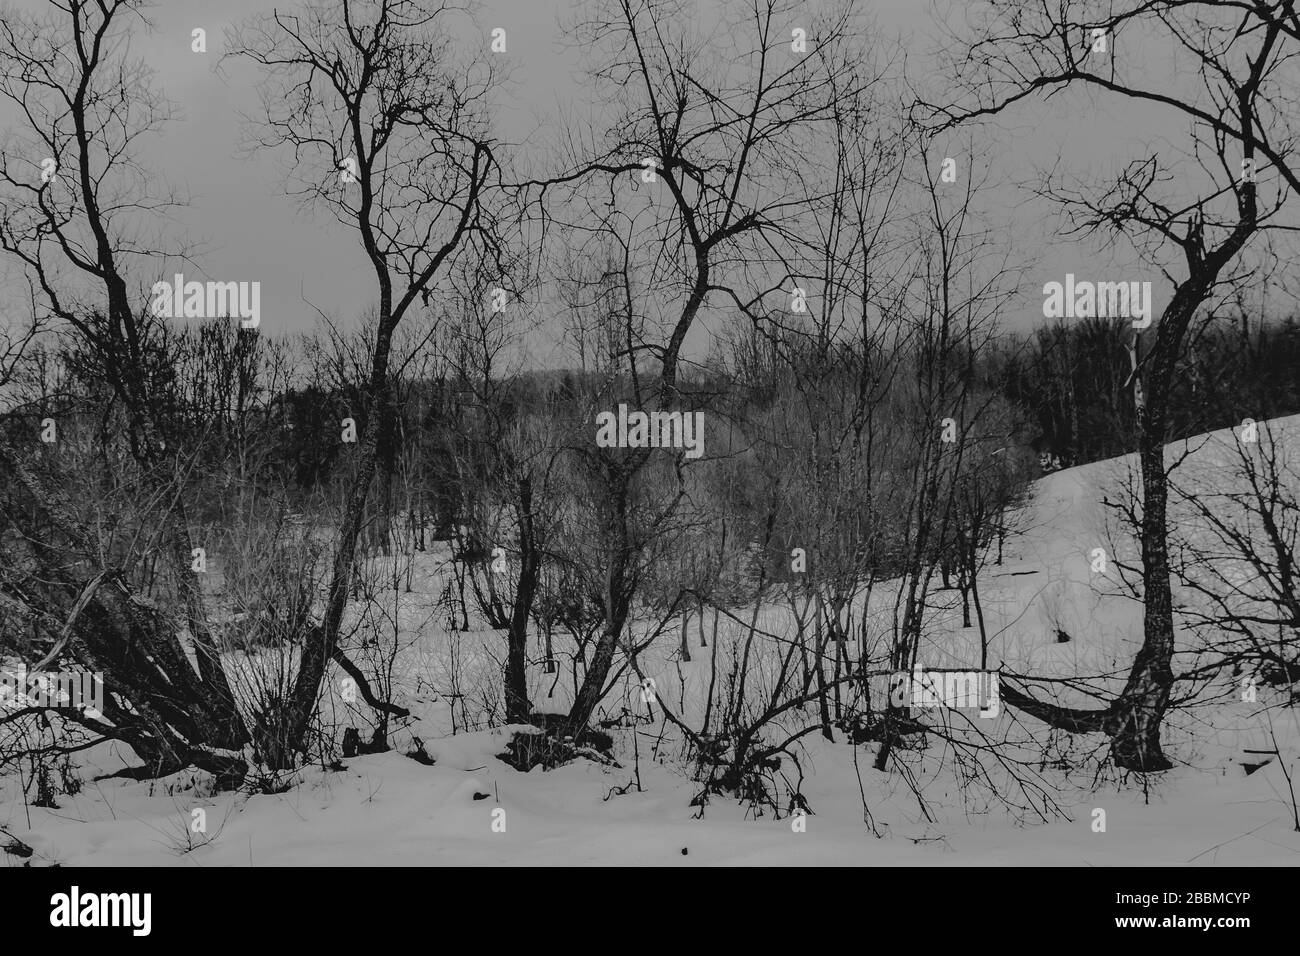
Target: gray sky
{"x":249,"y":230}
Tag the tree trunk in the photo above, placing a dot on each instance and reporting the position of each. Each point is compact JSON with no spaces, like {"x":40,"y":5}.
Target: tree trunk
{"x":819,"y":651}
{"x":1137,"y":714}
{"x":617,"y":606}
{"x":518,"y":707}
{"x":316,"y":653}
{"x":593,"y":681}
{"x":1141,"y":708}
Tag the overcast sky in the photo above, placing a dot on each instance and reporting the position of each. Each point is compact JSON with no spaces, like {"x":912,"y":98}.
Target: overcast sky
{"x":249,"y":230}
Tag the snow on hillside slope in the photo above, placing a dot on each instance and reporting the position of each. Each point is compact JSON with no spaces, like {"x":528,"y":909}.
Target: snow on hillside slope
{"x":471,"y":808}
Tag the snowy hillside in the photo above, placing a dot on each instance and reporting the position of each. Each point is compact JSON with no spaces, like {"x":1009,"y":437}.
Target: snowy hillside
{"x":1052,"y":610}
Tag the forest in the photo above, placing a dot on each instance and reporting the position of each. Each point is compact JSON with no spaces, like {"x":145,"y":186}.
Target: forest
{"x":664,"y":445}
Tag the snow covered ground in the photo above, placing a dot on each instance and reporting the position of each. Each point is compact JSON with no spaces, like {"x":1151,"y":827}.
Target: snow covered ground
{"x":469,"y":807}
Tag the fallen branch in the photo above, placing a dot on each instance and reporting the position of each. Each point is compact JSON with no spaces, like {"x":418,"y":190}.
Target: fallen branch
{"x":363,"y":685}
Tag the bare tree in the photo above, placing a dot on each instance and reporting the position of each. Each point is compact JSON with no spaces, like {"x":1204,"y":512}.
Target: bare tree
{"x":1242,"y":558}
{"x":509,"y":433}
{"x":1240,"y":127}
{"x":73,"y":195}
{"x":693,"y":174}
{"x":387,"y":130}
